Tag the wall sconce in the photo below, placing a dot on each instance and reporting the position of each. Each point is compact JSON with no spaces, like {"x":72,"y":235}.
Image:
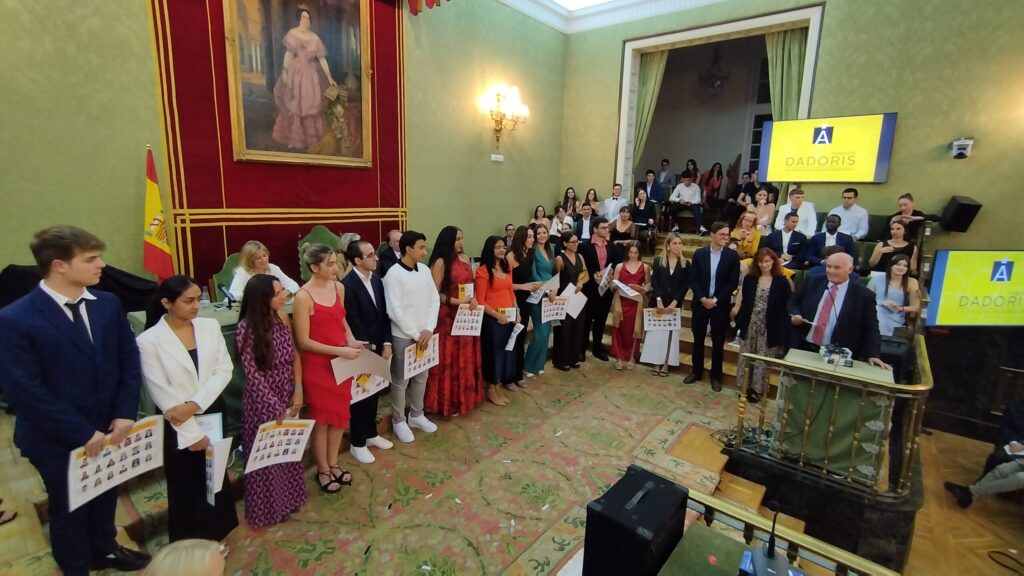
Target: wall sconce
{"x":503,"y":105}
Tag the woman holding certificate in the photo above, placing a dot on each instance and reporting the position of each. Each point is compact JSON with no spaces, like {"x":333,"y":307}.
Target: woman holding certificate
{"x":454,"y":384}
{"x":185,"y":368}
{"x":494,"y":292}
{"x":520,"y":258}
{"x":537,"y":352}
{"x":323,"y":334}
{"x":570,"y":336}
{"x":628,"y":323}
{"x":670,"y":279}
{"x":273,"y":390}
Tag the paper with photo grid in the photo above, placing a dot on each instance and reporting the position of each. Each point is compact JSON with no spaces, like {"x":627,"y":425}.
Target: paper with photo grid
{"x":654,"y":322}
{"x":417,"y":360}
{"x":366,"y":385}
{"x":511,"y":344}
{"x":606,"y":276}
{"x":279,"y":443}
{"x":366,"y":363}
{"x":552,"y":309}
{"x":626,"y":291}
{"x":217,"y":453}
{"x":141,"y":450}
{"x":468,"y":321}
{"x":539,"y":293}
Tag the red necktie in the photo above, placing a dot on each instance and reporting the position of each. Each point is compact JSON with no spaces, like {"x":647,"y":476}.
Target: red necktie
{"x":818,"y":334}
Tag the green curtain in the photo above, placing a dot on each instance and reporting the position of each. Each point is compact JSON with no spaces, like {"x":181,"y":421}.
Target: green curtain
{"x":652,"y":70}
{"x":786,"y":51}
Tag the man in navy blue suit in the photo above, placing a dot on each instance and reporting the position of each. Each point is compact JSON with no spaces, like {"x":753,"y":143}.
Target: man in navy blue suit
{"x":71,"y":373}
{"x":788,"y":243}
{"x":830,"y":237}
{"x":714,"y":276}
{"x":368,"y":319}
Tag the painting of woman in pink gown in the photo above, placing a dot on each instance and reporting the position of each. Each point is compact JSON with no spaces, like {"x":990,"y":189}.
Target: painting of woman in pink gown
{"x":299,"y":93}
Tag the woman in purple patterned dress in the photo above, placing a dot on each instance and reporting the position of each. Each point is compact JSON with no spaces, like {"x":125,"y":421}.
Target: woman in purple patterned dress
{"x":272,"y":391}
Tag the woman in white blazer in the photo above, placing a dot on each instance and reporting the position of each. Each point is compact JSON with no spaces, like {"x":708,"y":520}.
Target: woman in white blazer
{"x":185,"y":368}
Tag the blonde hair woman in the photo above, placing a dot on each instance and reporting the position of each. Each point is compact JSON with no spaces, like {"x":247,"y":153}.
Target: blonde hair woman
{"x":670,"y":279}
{"x":343,"y":241}
{"x":254,"y":258}
{"x":192,"y":556}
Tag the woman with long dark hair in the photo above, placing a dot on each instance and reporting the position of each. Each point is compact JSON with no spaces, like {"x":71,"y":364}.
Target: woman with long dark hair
{"x":543,"y":268}
{"x":540,"y":216}
{"x":627,"y":320}
{"x":897,"y":244}
{"x":455,"y":384}
{"x":698,"y":176}
{"x":494,"y":292}
{"x":712,"y":182}
{"x":591,"y":198}
{"x":897,"y":295}
{"x":762,"y":321}
{"x":323,"y":334}
{"x":520,"y":259}
{"x":185,"y":368}
{"x":570,"y":202}
{"x":273,"y":391}
{"x":570,"y":335}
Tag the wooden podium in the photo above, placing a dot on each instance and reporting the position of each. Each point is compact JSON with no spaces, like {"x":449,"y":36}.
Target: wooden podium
{"x":833,"y":418}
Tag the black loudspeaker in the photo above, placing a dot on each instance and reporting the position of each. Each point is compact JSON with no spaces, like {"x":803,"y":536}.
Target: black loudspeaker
{"x":959,"y":213}
{"x":634,"y":527}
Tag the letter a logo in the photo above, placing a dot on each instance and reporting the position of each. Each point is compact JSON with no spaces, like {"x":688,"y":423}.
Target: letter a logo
{"x":823,"y":134}
{"x":1002,"y":270}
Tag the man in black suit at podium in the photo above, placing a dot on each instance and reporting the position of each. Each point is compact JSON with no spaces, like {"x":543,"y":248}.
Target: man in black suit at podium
{"x":834,"y":310}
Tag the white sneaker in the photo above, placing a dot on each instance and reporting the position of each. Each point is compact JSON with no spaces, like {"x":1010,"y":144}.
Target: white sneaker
{"x":675,"y":229}
{"x":422,"y":423}
{"x":362,"y":454}
{"x":380,"y":442}
{"x":403,"y":433}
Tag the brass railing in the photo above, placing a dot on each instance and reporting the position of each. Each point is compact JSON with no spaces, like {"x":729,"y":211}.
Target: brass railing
{"x":794,"y":544}
{"x":864,"y":415}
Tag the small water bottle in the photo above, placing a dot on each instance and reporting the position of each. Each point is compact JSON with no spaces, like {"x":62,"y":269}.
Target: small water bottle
{"x":204,"y":298}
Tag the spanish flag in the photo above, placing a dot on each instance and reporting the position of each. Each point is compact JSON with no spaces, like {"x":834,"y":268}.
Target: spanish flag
{"x":156,"y":253}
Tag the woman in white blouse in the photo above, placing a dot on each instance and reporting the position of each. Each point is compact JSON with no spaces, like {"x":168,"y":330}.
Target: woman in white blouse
{"x":185,"y":368}
{"x":255,"y":259}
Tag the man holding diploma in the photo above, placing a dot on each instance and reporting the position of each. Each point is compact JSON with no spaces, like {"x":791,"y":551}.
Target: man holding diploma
{"x":71,"y":373}
{"x":413,"y":302}
{"x":368,"y":319}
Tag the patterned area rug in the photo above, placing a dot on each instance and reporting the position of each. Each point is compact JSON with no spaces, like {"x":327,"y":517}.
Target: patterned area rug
{"x":499,"y":490}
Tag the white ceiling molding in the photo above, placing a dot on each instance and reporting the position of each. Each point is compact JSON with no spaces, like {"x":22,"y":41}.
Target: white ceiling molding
{"x":601,"y":15}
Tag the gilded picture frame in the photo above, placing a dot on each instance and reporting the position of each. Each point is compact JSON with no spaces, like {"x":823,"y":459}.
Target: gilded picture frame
{"x":299,"y":81}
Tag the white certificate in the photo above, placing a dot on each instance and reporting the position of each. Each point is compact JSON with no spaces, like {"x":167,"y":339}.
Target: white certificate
{"x":466,"y":291}
{"x":141,"y":451}
{"x":511,"y":344}
{"x":279,"y":443}
{"x":553,"y":309}
{"x":605,"y":279}
{"x":217,"y":453}
{"x":212,"y":425}
{"x":548,"y":286}
{"x":468,"y":321}
{"x":417,"y":360}
{"x":626,"y":291}
{"x":366,"y":385}
{"x":575,"y":300}
{"x":512,"y":313}
{"x":366,"y":363}
{"x":670,"y":320}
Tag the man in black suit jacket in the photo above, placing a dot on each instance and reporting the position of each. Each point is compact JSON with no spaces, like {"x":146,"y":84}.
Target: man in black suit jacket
{"x":368,"y":318}
{"x":788,"y":243}
{"x":714,"y":276}
{"x":71,"y":372}
{"x":584,"y":225}
{"x":389,"y":255}
{"x":598,"y":254}
{"x":816,"y":245}
{"x":836,"y":310}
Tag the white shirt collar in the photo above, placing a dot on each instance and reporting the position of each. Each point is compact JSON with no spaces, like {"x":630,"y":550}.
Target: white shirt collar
{"x":61,"y":299}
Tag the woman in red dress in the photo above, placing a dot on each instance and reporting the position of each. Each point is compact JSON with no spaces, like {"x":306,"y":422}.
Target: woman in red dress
{"x":455,"y":385}
{"x":323,"y":334}
{"x":627,"y":322}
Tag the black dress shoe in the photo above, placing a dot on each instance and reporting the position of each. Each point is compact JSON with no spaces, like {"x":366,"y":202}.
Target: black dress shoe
{"x":563,"y":368}
{"x":601,"y":355}
{"x":716,"y":384}
{"x":753,"y":397}
{"x":122,"y":559}
{"x":963,"y":495}
{"x":576,"y":365}
{"x":693,"y":377}
{"x":583,"y":356}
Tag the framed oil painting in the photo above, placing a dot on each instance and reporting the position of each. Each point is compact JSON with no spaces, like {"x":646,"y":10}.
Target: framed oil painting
{"x":299,"y":81}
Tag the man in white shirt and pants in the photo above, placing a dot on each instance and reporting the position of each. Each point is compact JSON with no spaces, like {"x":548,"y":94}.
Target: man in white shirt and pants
{"x":687,"y":196}
{"x":808,"y":225}
{"x":413,"y":304}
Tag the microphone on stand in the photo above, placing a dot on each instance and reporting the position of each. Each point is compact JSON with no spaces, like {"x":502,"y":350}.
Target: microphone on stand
{"x":767,"y":563}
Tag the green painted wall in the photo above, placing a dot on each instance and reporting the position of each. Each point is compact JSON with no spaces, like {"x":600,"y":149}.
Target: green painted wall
{"x":452,"y":53}
{"x":79,"y":106}
{"x":948,"y":68}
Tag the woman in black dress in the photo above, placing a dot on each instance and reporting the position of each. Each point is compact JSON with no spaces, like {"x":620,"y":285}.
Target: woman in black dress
{"x":670,"y":279}
{"x":519,"y":258}
{"x":570,"y":335}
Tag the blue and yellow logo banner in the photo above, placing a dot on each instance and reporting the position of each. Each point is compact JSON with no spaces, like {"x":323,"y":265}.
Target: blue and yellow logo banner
{"x":977,"y":288}
{"x":841,"y":149}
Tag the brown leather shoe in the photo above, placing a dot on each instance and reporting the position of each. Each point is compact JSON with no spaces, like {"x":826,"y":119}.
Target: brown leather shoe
{"x":494,"y":396}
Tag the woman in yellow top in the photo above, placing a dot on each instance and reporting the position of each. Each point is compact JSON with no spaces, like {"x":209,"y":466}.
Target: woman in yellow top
{"x":746,"y":239}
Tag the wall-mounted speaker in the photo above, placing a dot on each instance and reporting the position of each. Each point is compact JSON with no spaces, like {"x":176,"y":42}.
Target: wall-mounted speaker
{"x":959,"y":213}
